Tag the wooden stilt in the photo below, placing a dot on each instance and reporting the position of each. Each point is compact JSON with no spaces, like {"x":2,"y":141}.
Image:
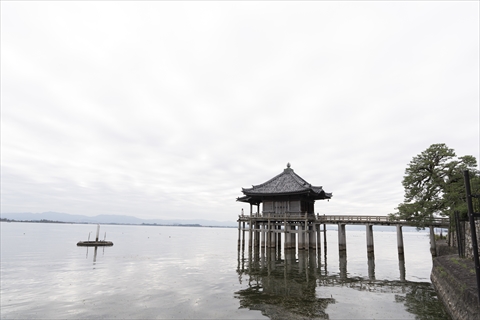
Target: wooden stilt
{"x":400,"y":240}
{"x":342,"y":238}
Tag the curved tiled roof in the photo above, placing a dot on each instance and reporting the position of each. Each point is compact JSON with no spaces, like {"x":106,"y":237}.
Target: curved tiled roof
{"x":287,"y":182}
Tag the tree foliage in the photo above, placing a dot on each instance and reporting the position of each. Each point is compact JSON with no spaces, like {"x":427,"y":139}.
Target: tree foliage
{"x":434,"y":185}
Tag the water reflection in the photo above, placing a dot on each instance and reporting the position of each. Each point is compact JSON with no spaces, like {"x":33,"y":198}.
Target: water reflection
{"x":282,"y":288}
{"x":371,"y":265}
{"x":95,"y":253}
{"x":343,"y":264}
{"x":299,"y":286}
{"x":401,"y":266}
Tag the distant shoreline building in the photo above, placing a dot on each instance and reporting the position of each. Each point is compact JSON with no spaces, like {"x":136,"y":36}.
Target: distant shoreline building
{"x":288,"y":207}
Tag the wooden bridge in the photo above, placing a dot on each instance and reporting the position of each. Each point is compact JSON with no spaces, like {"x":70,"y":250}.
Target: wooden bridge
{"x":379,"y":221}
{"x":302,"y":231}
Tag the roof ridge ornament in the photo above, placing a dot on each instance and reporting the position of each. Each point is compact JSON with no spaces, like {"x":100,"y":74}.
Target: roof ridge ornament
{"x":288,"y":169}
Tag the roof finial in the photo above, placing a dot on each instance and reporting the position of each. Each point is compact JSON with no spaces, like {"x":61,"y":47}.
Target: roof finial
{"x":288,"y":164}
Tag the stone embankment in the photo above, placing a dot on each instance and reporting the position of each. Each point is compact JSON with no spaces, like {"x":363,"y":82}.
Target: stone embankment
{"x":455,"y":281}
{"x":466,"y":237}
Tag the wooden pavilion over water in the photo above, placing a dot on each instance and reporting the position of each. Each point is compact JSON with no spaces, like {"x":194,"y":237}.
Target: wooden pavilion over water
{"x":288,"y":208}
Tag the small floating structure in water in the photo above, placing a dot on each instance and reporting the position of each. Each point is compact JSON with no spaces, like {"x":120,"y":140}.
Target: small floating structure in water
{"x":96,"y":243}
{"x":100,"y":243}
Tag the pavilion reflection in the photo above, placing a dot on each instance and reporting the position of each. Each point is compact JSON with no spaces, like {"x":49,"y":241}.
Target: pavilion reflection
{"x":282,"y":288}
{"x":295,"y":285}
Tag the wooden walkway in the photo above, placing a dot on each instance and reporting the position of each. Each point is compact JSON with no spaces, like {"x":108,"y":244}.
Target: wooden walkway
{"x":378,"y":220}
{"x":344,"y":219}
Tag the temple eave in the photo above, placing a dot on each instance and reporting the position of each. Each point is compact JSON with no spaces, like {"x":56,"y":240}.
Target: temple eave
{"x":308,"y":194}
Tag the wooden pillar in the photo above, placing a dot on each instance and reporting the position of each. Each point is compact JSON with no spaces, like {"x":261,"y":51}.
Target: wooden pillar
{"x":96,"y":238}
{"x":250,"y":234}
{"x":243,"y":235}
{"x":270,"y":235}
{"x":286,"y":239}
{"x":325,"y":238}
{"x":312,"y":240}
{"x":257,"y":234}
{"x":273,"y":235}
{"x":301,"y":237}
{"x":293,"y":237}
{"x":400,"y":240}
{"x":307,"y":235}
{"x":253,"y":227}
{"x":279,"y":236}
{"x":259,"y":227}
{"x":370,"y":252}
{"x":369,"y":238}
{"x":267,"y":235}
{"x":265,"y":232}
{"x":433,"y":246}
{"x":239,"y":233}
{"x":262,"y":242}
{"x":342,"y":238}
{"x":319,"y":245}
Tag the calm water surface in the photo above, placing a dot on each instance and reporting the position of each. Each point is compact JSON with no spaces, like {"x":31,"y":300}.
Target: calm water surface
{"x":155,"y":272}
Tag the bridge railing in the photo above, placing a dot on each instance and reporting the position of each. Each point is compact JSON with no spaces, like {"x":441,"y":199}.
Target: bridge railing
{"x":342,"y":218}
{"x":348,"y":218}
{"x":356,"y":218}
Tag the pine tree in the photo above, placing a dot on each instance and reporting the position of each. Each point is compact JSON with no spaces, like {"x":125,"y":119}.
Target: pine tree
{"x":434,"y":185}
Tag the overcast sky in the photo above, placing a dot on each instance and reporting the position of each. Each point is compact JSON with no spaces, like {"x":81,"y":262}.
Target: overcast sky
{"x":167,"y":109}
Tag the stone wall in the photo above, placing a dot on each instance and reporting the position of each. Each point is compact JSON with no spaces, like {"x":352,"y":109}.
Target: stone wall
{"x":455,"y":282}
{"x":465,"y":226}
{"x":468,"y":238}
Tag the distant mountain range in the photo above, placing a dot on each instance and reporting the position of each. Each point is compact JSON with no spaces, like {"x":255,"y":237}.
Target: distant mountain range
{"x":120,"y":219}
{"x":106,"y":219}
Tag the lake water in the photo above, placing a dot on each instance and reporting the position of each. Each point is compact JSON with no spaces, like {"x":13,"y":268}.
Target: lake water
{"x":156,"y":272}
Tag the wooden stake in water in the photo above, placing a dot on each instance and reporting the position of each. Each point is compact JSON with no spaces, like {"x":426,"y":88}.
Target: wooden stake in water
{"x":98,"y":231}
